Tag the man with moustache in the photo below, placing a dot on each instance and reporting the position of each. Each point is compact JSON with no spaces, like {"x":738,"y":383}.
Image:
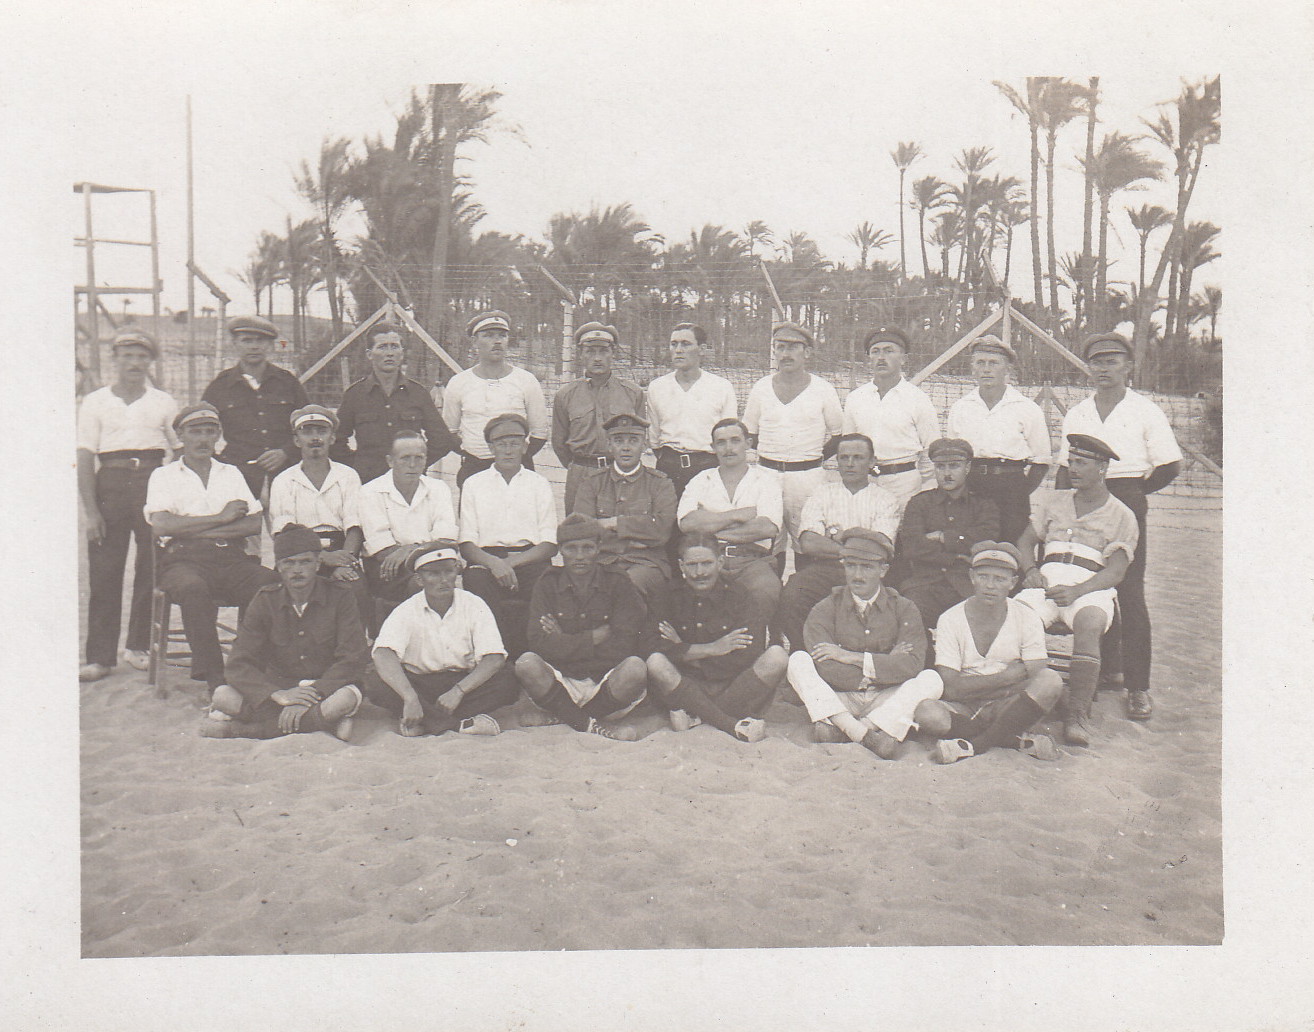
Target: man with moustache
{"x":1086,"y":539}
{"x":255,"y":400}
{"x":583,"y":406}
{"x":855,"y":501}
{"x":712,"y":662}
{"x":1008,"y":435}
{"x":895,"y":415}
{"x":124,"y":431}
{"x":377,"y":407}
{"x":299,"y":655}
{"x":634,"y":505}
{"x":203,"y":512}
{"x":1149,"y":460}
{"x":684,"y":405}
{"x":990,"y":653}
{"x":793,"y":418}
{"x":492,"y":387}
{"x":939,"y":528}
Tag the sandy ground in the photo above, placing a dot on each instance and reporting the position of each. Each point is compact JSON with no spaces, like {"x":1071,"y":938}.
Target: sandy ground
{"x":545,"y":839}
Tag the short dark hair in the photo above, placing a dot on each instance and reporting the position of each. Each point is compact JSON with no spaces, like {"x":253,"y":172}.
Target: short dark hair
{"x":698,"y":539}
{"x":863,"y":438}
{"x":730,"y":421}
{"x":406,"y":435}
{"x":700,"y":334}
{"x":382,"y":327}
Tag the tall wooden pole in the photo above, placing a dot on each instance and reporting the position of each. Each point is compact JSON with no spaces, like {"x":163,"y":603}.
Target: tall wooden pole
{"x":93,"y":301}
{"x":191,"y":263}
{"x":443,"y":98}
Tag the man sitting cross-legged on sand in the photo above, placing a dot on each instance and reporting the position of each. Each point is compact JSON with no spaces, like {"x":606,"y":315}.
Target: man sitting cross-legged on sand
{"x":990,"y":653}
{"x":585,"y":623}
{"x":439,"y":662}
{"x":299,"y":654}
{"x":713,"y":663}
{"x":1087,"y":539}
{"x":862,"y":675}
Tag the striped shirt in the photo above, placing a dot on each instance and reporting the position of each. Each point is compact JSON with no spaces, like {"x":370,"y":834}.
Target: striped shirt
{"x":835,"y":508}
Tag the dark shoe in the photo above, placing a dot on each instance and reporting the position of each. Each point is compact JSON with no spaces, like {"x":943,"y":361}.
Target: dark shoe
{"x":1139,"y":706}
{"x":616,"y":732}
{"x":825,"y":732}
{"x":882,"y":744}
{"x":1076,"y":731}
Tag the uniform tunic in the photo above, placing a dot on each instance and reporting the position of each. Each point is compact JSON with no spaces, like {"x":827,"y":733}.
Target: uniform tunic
{"x":889,"y":620}
{"x":375,"y":417}
{"x":255,"y":421}
{"x":580,"y":409}
{"x":935,"y":574}
{"x":607,"y":598}
{"x":643,"y":503}
{"x":701,"y":617}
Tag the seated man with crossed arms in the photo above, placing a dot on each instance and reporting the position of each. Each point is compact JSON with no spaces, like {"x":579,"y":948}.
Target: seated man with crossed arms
{"x":990,"y":653}
{"x":712,"y":661}
{"x":299,"y":654}
{"x":861,"y":677}
{"x":439,"y":663}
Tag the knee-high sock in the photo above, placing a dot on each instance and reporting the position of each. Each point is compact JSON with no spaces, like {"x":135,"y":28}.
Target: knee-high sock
{"x":748,"y":695}
{"x":1083,"y":678}
{"x":558,"y":701}
{"x":1014,"y":717}
{"x":690,"y":696}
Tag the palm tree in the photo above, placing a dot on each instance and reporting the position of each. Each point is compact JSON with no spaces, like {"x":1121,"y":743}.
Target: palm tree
{"x":1213,"y":301}
{"x":1088,"y":198}
{"x":1029,"y":104}
{"x":1145,"y":220}
{"x":928,"y":197}
{"x":757,"y":232}
{"x":1197,"y":250}
{"x":1118,"y":165}
{"x":301,"y":269}
{"x":261,"y":271}
{"x":946,"y":235}
{"x":604,"y":251}
{"x":971,"y":162}
{"x":999,"y":196}
{"x":903,"y":157}
{"x":868,"y":238}
{"x":1061,"y":102}
{"x":1011,"y":214}
{"x":1198,"y":110}
{"x":328,"y":189}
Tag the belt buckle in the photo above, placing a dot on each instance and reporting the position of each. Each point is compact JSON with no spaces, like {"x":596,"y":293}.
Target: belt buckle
{"x":134,"y":462}
{"x":601,"y":461}
{"x":686,"y":460}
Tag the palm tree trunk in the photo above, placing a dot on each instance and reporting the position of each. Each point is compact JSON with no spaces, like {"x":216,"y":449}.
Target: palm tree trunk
{"x":903,"y":257}
{"x":921,"y":235}
{"x":443,"y":98}
{"x":1051,"y":139}
{"x":1140,"y":276}
{"x":1186,"y":180}
{"x":1093,"y":307}
{"x":331,"y":279}
{"x":1035,"y":212}
{"x":1099,"y":299}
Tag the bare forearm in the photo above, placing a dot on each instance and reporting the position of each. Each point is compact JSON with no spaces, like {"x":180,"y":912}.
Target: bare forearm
{"x":812,"y":543}
{"x":393,"y":674}
{"x":172,"y":525}
{"x":87,"y":479}
{"x":540,"y":553}
{"x":961,"y":687}
{"x":745,"y":533}
{"x":483,"y":670}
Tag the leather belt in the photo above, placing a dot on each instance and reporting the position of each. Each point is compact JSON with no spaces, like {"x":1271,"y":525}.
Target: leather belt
{"x":596,"y":462}
{"x":147,"y":459}
{"x":897,"y":467}
{"x":686,"y":458}
{"x":789,"y":467}
{"x":748,"y":551}
{"x":988,"y":465}
{"x":1073,"y":560}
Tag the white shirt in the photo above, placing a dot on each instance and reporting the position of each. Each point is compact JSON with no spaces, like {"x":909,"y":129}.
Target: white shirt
{"x":794,"y":432}
{"x":470,"y":401}
{"x":497,"y":512}
{"x":107,"y":423}
{"x":759,"y":489}
{"x":1022,"y":637}
{"x":427,"y":642}
{"x":834,"y":507}
{"x":389,"y":519}
{"x":1137,"y":429}
{"x":1014,"y":429}
{"x":901,"y":425}
{"x":294,"y":499}
{"x":683,"y":419}
{"x":176,"y":488}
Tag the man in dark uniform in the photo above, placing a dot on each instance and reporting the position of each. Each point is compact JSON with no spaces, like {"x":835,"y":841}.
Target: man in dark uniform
{"x":635,"y":506}
{"x":255,"y":400}
{"x":585,"y":628}
{"x":376,"y":406}
{"x":712,"y":661}
{"x":582,"y":406}
{"x":299,"y":655}
{"x":939,"y":528}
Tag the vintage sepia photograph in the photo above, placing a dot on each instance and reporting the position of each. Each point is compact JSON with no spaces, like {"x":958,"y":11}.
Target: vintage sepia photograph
{"x":491,"y":547}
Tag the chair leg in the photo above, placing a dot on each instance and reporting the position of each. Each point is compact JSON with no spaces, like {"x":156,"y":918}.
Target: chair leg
{"x":161,"y":613}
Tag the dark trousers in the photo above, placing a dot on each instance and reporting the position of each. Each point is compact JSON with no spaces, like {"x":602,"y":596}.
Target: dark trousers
{"x":260,"y":715}
{"x":500,"y":690}
{"x":805,"y":589}
{"x":200,"y":577}
{"x":1134,"y":649}
{"x":120,"y":495}
{"x":1011,"y":492}
{"x":472,"y":464}
{"x":510,"y":608}
{"x":671,"y":462}
{"x":731,"y":701}
{"x":931,"y":596}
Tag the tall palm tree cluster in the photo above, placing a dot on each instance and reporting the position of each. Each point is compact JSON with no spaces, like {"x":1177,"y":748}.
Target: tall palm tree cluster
{"x":413,"y":200}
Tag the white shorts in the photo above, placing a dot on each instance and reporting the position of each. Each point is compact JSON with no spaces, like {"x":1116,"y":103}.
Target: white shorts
{"x":1052,"y":615}
{"x":584,"y":689}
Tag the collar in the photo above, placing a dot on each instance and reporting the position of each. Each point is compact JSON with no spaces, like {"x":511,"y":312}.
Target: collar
{"x":878,"y":600}
{"x":1011,"y":394}
{"x":335,"y":473}
{"x":451,"y":609}
{"x":632,"y":475}
{"x":318,"y":591}
{"x":421,"y":489}
{"x":374,"y":385}
{"x":590,"y":585}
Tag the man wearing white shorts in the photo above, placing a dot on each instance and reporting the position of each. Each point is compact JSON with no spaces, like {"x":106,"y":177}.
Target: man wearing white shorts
{"x":861,"y":677}
{"x":990,"y":653}
{"x":1086,"y":539}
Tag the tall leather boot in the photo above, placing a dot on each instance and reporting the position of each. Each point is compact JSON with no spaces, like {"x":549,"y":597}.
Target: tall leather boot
{"x":1083,"y":679}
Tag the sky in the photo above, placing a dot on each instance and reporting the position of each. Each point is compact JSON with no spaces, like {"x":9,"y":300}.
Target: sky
{"x":809,"y":154}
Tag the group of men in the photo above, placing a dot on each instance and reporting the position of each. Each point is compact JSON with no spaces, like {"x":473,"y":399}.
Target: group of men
{"x":923,"y":580}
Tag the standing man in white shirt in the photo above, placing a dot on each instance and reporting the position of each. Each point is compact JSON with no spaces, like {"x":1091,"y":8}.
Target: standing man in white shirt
{"x":492,"y":387}
{"x":1148,"y":459}
{"x":742,"y":506}
{"x":402,"y":514}
{"x":684,"y":405}
{"x":124,"y":431}
{"x":794,"y":418}
{"x":508,"y":529}
{"x":855,"y":500}
{"x":895,"y":415}
{"x":1007,"y":433}
{"x":203,"y":511}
